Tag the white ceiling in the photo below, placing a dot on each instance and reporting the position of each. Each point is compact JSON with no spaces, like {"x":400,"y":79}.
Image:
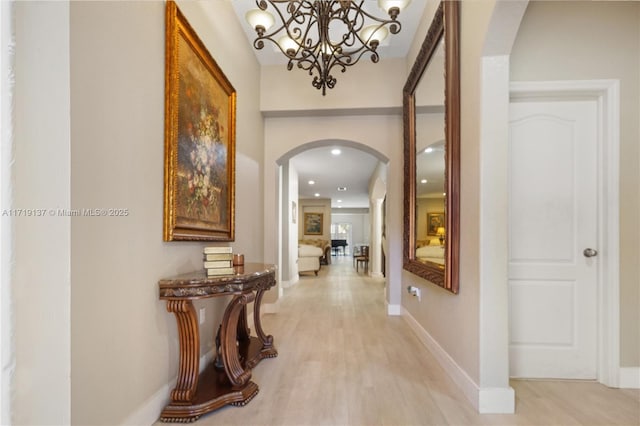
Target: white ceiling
{"x":430,"y":167}
{"x":353,"y":168}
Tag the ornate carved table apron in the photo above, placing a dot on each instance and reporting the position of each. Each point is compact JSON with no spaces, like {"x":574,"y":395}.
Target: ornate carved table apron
{"x":226,"y":381}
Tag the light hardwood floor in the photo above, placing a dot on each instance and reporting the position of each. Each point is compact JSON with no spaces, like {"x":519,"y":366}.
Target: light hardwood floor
{"x":343,"y":361}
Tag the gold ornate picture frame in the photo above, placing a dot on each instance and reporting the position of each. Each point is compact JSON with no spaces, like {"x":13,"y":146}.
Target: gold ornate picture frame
{"x":434,"y":222}
{"x":200,"y":132}
{"x":313,"y":224}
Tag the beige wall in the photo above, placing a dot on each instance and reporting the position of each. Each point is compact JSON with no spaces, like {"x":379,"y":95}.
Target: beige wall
{"x":125,"y":345}
{"x":318,"y":205}
{"x":597,"y":40}
{"x":364,"y":86}
{"x":289,"y":267}
{"x":377,"y":194}
{"x":41,"y":258}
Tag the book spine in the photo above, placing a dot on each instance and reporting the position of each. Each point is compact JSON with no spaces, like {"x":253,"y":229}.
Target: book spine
{"x":218,"y":256}
{"x":218,"y":264}
{"x":216,"y":250}
{"x":220,"y":271}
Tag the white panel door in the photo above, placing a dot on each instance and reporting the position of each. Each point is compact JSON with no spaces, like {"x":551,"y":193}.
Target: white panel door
{"x":552,"y":220}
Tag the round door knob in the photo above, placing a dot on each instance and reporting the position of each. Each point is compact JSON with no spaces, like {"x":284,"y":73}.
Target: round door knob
{"x":589,"y":252}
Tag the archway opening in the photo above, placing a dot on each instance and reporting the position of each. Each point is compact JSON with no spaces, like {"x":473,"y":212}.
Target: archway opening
{"x":332,"y":188}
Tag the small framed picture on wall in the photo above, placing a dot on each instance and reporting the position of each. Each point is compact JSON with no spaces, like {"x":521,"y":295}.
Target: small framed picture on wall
{"x":294,"y":212}
{"x":313,"y":223}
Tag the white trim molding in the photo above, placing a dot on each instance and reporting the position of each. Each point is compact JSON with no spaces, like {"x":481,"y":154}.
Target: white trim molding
{"x":607,"y":94}
{"x":629,"y":378}
{"x":496,"y":401}
{"x":149,"y":412}
{"x":484,"y":400}
{"x":290,"y":283}
{"x":394,"y":310}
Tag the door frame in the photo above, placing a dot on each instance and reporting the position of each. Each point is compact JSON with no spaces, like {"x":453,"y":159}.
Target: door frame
{"x":606,"y":93}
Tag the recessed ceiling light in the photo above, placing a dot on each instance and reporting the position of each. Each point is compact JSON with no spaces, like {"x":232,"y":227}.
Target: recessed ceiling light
{"x":336,"y":151}
{"x":316,"y":195}
{"x":338,"y":201}
{"x":423,"y":181}
{"x":342,"y":188}
{"x":428,"y":150}
{"x":312,"y":182}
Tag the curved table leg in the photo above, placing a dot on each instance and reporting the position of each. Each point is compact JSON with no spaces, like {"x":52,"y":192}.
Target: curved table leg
{"x":189,"y":349}
{"x":244,"y":332}
{"x":268,"y":350}
{"x":238,"y":376}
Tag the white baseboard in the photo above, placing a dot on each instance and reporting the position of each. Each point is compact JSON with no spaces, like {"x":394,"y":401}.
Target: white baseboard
{"x":496,"y":401}
{"x":484,"y":400}
{"x":149,"y":412}
{"x":290,"y":283}
{"x":465,"y":383}
{"x":377,"y":275}
{"x":394,"y":310}
{"x":629,"y":377}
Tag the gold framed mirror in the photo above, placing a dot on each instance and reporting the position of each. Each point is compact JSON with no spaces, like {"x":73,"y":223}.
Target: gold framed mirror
{"x":431,"y":115}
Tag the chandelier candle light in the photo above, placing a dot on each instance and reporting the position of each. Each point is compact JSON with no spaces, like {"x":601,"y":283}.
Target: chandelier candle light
{"x":320,"y":34}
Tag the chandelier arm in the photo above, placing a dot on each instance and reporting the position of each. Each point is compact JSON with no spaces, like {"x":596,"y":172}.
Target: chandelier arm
{"x":300,"y":16}
{"x":309,"y":62}
{"x":350,"y":60}
{"x":359,"y":10}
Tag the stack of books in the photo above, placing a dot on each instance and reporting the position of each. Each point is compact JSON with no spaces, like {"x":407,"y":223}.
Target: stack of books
{"x":218,"y":261}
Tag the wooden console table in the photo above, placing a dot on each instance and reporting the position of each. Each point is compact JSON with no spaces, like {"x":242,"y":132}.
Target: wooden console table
{"x":228,"y":383}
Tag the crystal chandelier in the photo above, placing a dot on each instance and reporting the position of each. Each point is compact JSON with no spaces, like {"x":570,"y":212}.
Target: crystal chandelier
{"x":318,"y":35}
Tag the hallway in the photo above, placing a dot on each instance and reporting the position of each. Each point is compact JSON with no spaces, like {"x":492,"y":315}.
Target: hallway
{"x":343,"y":361}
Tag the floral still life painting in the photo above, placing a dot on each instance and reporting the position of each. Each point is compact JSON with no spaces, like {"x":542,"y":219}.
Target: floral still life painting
{"x":199,"y":139}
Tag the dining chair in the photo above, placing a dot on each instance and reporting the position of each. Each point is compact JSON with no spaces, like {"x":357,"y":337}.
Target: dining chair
{"x":362,"y":259}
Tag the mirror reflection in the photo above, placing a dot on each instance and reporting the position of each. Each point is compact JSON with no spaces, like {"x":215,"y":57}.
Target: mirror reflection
{"x":430,"y":229}
{"x":431,"y":114}
{"x":430,"y":204}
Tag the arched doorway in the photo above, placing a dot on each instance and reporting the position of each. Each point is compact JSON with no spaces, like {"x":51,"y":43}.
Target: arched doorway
{"x":317,"y":159}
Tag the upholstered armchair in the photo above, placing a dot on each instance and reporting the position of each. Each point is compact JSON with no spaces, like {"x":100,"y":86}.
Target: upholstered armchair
{"x":324,"y":245}
{"x":309,"y":258}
